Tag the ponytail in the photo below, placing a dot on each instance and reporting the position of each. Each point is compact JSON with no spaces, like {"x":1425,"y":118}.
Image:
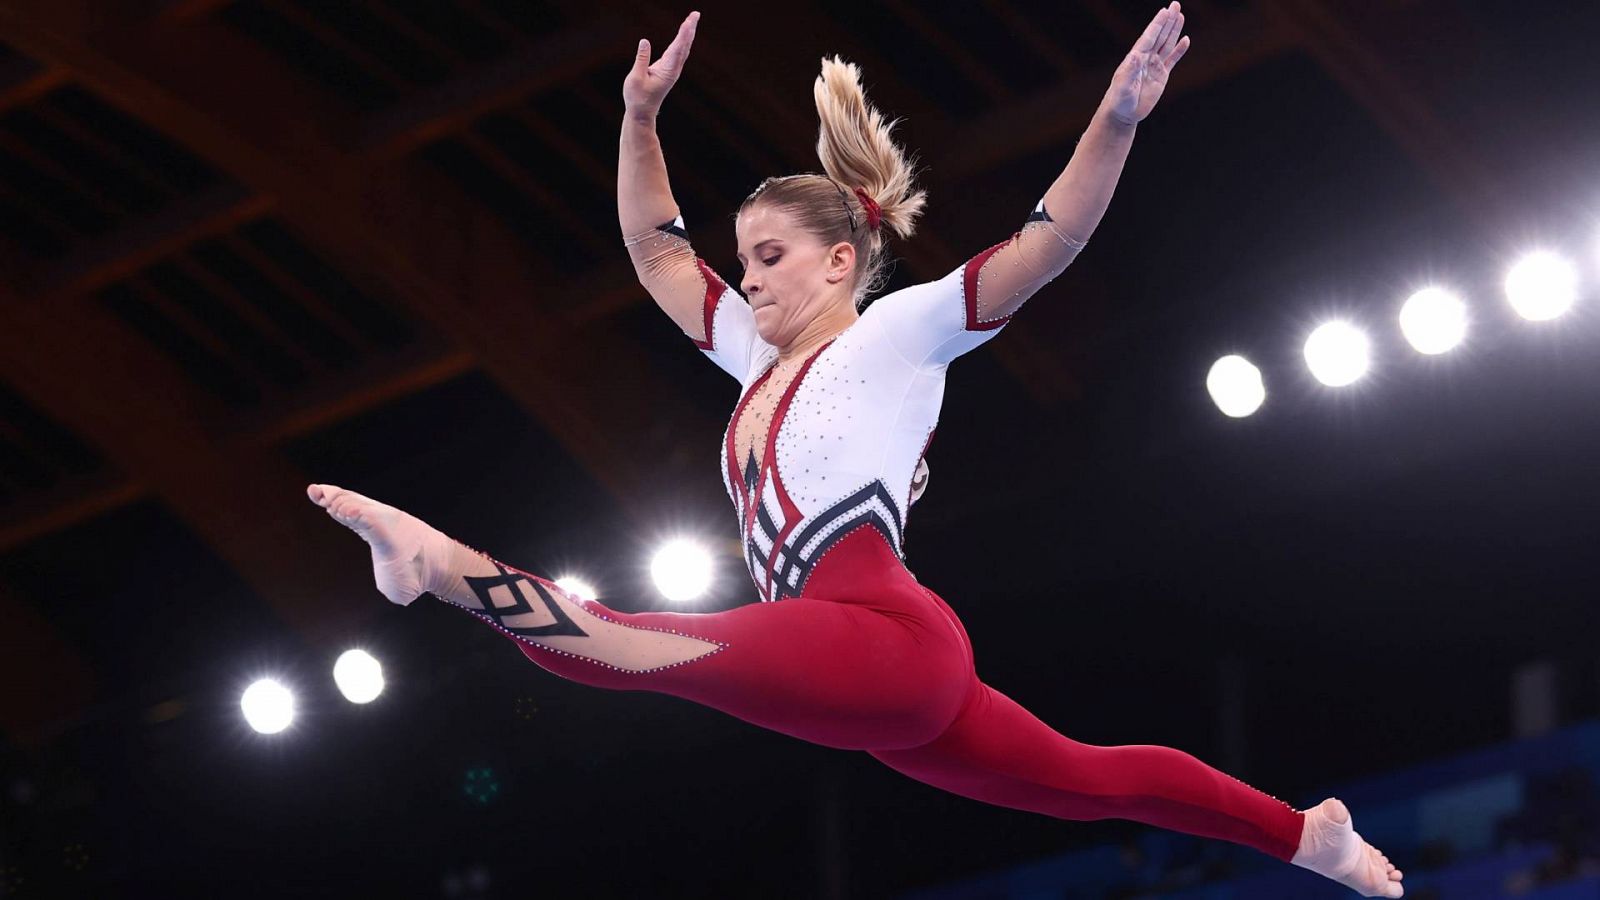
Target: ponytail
{"x":869,"y":186}
{"x":857,"y":149}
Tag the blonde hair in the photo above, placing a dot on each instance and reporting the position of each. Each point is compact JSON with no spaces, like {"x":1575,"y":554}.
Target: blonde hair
{"x":857,"y":150}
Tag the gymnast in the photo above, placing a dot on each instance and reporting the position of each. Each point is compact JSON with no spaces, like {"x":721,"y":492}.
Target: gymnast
{"x":823,"y":458}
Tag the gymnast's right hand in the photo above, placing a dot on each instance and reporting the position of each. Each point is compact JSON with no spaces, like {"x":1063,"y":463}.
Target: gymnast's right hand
{"x":648,"y":83}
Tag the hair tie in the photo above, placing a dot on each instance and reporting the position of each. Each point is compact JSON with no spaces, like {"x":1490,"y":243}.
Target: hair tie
{"x":874,"y":211}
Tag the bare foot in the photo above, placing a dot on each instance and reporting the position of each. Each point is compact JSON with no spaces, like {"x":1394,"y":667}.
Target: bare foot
{"x":407,"y":553}
{"x":1330,"y":846}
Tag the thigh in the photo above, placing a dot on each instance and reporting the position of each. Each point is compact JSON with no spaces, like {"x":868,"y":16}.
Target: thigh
{"x":834,"y":673}
{"x":840,"y":674}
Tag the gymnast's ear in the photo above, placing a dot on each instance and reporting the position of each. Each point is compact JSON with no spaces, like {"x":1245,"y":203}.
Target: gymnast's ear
{"x":841,"y":262}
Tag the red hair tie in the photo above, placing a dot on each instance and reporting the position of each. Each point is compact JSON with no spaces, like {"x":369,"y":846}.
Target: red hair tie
{"x":874,"y":211}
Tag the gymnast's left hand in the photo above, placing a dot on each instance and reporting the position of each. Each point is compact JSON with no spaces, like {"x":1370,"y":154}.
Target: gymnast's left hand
{"x":1142,"y":77}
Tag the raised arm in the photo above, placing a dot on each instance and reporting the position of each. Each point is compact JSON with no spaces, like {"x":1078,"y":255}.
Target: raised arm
{"x":1062,"y":223}
{"x":933,"y":323}
{"x":699,"y":302}
{"x":651,"y":226}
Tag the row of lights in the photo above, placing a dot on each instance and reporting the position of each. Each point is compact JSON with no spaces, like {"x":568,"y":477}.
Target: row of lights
{"x":681,"y":570}
{"x":1540,"y":287}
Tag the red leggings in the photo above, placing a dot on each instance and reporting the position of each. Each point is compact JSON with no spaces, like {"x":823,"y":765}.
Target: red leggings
{"x":870,"y":660}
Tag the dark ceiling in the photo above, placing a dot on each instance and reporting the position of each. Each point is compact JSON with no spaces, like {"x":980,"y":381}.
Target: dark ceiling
{"x":251,"y":244}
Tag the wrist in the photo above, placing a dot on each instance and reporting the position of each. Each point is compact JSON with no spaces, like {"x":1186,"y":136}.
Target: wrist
{"x":1108,"y":117}
{"x":640,"y":116}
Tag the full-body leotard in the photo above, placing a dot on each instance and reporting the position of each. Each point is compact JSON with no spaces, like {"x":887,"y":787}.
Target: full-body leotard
{"x":849,"y":650}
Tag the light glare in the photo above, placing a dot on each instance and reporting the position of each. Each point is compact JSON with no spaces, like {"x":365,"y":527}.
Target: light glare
{"x":681,"y":570}
{"x":1338,"y":354}
{"x":1541,"y":286}
{"x":359,"y":676}
{"x":268,"y":706}
{"x":577,"y":587}
{"x":1434,"y":320}
{"x":1235,"y":386}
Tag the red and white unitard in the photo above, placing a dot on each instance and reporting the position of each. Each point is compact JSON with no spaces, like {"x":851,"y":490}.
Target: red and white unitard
{"x":849,"y":650}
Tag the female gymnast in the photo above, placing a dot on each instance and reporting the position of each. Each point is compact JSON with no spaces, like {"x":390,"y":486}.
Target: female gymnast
{"x":823,"y":459}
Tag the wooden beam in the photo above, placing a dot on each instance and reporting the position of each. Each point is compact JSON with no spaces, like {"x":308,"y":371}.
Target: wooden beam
{"x":1027,"y":32}
{"x":140,"y":412}
{"x":513,"y":173}
{"x":581,"y":158}
{"x":23,"y":81}
{"x":1055,"y":115}
{"x":343,"y":396}
{"x":463,"y":272}
{"x":272,"y":332}
{"x":454,"y":105}
{"x":689,"y":181}
{"x":954,"y":48}
{"x":140,"y":242}
{"x":332,"y":400}
{"x":1350,"y":53}
{"x":605,"y":293}
{"x":79,"y":500}
{"x":125,"y":158}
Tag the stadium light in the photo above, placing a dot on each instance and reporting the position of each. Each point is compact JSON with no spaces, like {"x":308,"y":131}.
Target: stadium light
{"x":1235,"y":386}
{"x":1541,"y":286}
{"x":681,"y":570}
{"x":359,"y":676}
{"x":1434,"y":320}
{"x":268,"y":706}
{"x":1338,"y":353}
{"x":577,"y":587}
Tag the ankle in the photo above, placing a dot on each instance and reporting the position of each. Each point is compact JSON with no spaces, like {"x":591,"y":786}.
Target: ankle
{"x":446,"y":565}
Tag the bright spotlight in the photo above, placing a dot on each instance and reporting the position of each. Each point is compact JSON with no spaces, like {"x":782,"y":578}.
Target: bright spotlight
{"x":359,"y":676}
{"x":1235,"y":386}
{"x":268,"y":706}
{"x":577,"y":587}
{"x":1434,"y":320}
{"x":682,"y":570}
{"x":1541,"y":286}
{"x":1338,"y":353}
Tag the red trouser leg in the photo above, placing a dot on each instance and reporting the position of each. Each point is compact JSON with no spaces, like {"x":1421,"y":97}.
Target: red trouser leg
{"x":999,"y":753}
{"x":876,"y":662}
{"x":889,"y":671}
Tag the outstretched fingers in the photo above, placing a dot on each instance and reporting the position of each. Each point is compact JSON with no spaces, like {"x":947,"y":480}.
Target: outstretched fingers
{"x":1150,"y":39}
{"x":1177,"y":53}
{"x":1172,"y":31}
{"x":677,"y":52}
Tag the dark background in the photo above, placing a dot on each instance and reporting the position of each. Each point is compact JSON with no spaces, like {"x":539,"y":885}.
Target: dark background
{"x":257,"y":243}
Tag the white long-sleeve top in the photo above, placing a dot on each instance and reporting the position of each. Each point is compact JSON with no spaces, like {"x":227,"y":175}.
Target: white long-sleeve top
{"x":844,"y":441}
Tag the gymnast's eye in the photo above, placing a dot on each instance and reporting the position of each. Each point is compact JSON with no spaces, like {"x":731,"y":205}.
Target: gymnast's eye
{"x":772,"y":261}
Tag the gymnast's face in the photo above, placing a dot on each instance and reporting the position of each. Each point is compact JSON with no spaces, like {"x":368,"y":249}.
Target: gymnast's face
{"x":790,"y":276}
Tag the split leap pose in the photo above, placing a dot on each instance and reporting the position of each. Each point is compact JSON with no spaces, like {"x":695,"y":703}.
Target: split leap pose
{"x":823,"y":459}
